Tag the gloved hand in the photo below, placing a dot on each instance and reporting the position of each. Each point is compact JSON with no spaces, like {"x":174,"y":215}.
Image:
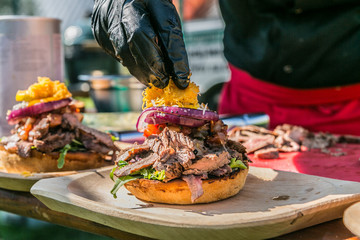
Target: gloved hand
{"x":146,"y":37}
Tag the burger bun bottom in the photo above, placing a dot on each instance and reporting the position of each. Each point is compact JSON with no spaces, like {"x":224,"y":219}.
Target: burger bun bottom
{"x":40,"y":162}
{"x":177,"y":191}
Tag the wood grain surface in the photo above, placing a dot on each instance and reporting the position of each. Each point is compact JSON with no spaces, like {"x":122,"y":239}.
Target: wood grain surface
{"x":27,"y":205}
{"x":272,"y":203}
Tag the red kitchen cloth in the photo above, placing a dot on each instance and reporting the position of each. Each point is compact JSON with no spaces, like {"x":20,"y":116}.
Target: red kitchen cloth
{"x":332,"y":109}
{"x":339,"y":162}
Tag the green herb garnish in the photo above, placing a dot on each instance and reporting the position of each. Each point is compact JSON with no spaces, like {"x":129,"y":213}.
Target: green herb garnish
{"x":76,"y":142}
{"x":120,"y":182}
{"x":120,"y":164}
{"x":237,"y":164}
{"x":152,"y":174}
{"x":63,"y":152}
{"x":113,"y":138}
{"x":147,"y":173}
{"x":112,"y":173}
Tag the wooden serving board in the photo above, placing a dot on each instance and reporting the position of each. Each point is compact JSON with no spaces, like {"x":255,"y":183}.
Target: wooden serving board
{"x":352,"y":218}
{"x":24,"y":182}
{"x":272,"y":203}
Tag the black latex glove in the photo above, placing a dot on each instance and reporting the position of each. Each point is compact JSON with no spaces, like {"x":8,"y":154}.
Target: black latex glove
{"x":146,"y":37}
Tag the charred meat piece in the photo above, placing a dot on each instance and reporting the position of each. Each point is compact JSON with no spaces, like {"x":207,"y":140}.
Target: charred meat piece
{"x":169,"y":138}
{"x":258,"y":142}
{"x":296,"y":133}
{"x":24,"y":148}
{"x":91,"y":138}
{"x":40,"y":129}
{"x":285,"y":144}
{"x":53,"y":141}
{"x":320,"y":141}
{"x":41,"y":126}
{"x":172,"y":168}
{"x":131,"y":168}
{"x":267,"y":153}
{"x":91,"y":142}
{"x":208,"y":163}
{"x":222,"y":171}
{"x":132,"y":152}
{"x":195,"y":186}
{"x":218,"y":133}
{"x":185,"y":156}
{"x":169,"y":141}
{"x":237,"y":146}
{"x":70,"y":121}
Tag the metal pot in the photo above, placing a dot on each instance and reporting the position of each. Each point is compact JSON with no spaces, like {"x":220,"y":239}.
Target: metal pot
{"x":112,"y":93}
{"x":29,"y":47}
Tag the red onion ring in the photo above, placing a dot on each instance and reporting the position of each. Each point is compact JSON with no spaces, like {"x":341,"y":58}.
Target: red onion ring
{"x":180,"y":116}
{"x":188,"y":112}
{"x":160,"y":118}
{"x":15,"y":115}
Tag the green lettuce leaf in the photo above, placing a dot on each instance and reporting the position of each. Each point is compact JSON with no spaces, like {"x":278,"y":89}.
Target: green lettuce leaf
{"x":120,"y":182}
{"x":122,"y":163}
{"x":147,"y":173}
{"x":237,"y":164}
{"x":113,"y":138}
{"x":74,"y":146}
{"x":152,"y":174}
{"x":112,"y":173}
{"x":63,"y":152}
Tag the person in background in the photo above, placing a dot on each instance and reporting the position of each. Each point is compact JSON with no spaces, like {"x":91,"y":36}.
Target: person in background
{"x":296,"y":60}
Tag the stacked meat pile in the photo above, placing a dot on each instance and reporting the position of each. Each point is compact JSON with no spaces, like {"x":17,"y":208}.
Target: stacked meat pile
{"x":191,"y":154}
{"x":53,"y":130}
{"x":266,"y":144}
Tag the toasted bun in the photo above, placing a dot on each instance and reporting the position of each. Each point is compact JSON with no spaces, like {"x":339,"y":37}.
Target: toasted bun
{"x":40,"y":162}
{"x":178,"y":192}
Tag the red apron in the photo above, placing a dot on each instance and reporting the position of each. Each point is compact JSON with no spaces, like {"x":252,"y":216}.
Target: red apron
{"x":334,"y":109}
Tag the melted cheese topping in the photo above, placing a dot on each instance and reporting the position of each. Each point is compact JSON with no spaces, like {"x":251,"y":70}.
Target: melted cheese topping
{"x":171,"y":96}
{"x":45,"y":90}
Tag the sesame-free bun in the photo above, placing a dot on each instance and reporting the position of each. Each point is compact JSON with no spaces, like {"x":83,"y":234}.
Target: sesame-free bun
{"x":40,"y":162}
{"x":177,"y":191}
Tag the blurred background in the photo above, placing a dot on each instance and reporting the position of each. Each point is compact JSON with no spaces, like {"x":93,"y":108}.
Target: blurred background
{"x":101,"y":83}
{"x":90,"y":72}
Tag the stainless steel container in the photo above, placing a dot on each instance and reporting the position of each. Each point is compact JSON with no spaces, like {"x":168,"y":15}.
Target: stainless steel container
{"x":29,"y":47}
{"x":114,"y":93}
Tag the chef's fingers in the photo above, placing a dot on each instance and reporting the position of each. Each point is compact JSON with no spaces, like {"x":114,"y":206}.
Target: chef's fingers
{"x":102,"y":12}
{"x":142,"y":42}
{"x":167,"y":24}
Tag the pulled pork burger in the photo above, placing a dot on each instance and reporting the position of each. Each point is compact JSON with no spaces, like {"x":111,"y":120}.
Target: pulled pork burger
{"x":186,"y":157}
{"x":48,"y":135}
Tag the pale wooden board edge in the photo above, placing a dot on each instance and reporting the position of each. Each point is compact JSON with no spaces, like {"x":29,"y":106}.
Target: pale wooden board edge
{"x":23,"y":183}
{"x":352,"y":218}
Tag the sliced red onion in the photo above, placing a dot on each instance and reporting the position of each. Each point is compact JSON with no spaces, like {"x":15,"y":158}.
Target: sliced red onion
{"x":180,"y":116}
{"x":160,"y":118}
{"x":188,"y":112}
{"x":36,"y":109}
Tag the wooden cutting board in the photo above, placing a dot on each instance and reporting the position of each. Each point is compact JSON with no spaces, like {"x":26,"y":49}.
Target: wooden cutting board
{"x":272,"y":203}
{"x":23,"y":182}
